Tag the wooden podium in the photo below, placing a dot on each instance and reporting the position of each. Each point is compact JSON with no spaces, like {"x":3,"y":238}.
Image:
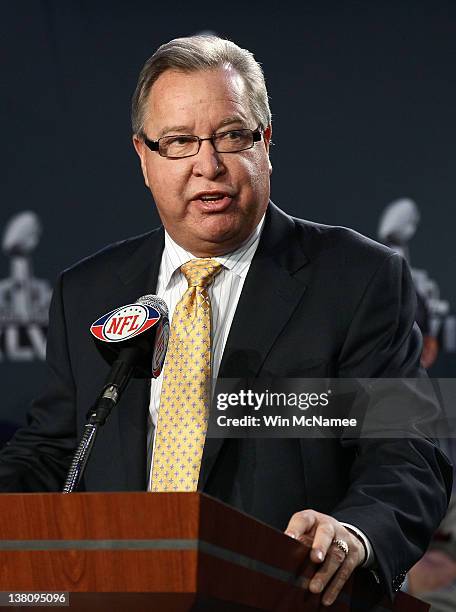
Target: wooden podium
{"x":135,"y":552}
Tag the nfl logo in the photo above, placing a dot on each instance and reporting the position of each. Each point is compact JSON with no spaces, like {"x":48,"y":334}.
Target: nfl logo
{"x":124,"y":323}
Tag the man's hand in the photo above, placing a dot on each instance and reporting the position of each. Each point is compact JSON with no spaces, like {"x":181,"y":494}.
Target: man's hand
{"x":336,"y":566}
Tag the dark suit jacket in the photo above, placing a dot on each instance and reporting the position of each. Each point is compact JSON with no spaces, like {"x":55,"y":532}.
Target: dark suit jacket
{"x":318,"y":301}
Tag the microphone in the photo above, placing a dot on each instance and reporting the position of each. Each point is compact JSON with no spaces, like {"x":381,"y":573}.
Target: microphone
{"x":133,"y":339}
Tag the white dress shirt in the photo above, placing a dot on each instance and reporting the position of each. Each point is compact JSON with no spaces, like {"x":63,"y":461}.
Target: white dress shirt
{"x":224,"y":293}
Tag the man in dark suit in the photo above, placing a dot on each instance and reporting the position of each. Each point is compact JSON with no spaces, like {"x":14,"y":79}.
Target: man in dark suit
{"x":291,"y":299}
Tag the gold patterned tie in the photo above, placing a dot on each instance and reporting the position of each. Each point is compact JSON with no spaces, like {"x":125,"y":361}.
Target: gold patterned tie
{"x":184,"y":399}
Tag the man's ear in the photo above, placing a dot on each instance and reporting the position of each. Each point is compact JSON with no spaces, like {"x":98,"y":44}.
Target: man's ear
{"x":140,"y":147}
{"x":267,"y":135}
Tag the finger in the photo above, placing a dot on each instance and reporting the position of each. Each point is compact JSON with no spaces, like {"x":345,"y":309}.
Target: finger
{"x":300,"y":523}
{"x":334,"y":560}
{"x":323,"y":538}
{"x":337,"y":583}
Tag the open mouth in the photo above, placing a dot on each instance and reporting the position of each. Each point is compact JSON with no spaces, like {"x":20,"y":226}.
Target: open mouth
{"x":213,"y":197}
{"x":214,"y":202}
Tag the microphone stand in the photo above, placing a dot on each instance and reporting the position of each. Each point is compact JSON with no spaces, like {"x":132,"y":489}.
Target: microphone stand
{"x":118,"y":378}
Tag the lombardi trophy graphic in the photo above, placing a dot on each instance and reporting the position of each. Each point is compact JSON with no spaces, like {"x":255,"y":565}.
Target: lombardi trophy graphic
{"x":24,"y":299}
{"x":397,"y":225}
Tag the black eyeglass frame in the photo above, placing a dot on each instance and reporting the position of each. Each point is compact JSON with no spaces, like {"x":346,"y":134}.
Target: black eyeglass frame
{"x":154,"y":145}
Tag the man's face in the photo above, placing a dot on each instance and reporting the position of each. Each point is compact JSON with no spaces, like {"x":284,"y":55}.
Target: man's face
{"x":203,"y":103}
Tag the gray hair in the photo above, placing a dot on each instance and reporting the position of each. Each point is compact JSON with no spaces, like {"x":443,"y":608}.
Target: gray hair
{"x":202,"y":53}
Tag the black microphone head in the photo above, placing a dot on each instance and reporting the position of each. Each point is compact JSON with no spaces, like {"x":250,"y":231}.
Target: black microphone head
{"x":143,"y":326}
{"x":161,"y":334}
{"x":155,"y":302}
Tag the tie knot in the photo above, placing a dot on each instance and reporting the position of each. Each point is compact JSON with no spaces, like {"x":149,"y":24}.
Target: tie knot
{"x":200,"y":272}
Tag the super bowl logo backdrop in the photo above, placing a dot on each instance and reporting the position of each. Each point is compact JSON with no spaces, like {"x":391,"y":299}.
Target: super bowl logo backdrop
{"x":24,"y":299}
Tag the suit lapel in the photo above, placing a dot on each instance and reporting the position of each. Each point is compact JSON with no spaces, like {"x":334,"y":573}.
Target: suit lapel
{"x":139,"y":277}
{"x":270,"y":294}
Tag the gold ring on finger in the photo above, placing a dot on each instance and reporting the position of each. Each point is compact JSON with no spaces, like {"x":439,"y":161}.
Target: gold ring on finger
{"x":342,"y":545}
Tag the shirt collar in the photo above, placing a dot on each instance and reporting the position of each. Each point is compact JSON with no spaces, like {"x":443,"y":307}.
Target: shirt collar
{"x":238,"y":261}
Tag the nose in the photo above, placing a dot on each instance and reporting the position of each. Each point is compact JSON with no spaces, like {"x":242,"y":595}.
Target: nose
{"x":208,"y":162}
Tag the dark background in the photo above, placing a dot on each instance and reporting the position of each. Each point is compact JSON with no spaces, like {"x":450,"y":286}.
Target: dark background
{"x":363,"y":96}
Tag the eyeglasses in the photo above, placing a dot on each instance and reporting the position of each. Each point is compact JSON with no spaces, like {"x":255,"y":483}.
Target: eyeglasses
{"x":187,"y":145}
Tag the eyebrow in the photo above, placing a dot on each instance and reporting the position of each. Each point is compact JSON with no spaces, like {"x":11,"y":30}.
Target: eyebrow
{"x":184,"y":129}
{"x":175,"y":129}
{"x":230,"y":120}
